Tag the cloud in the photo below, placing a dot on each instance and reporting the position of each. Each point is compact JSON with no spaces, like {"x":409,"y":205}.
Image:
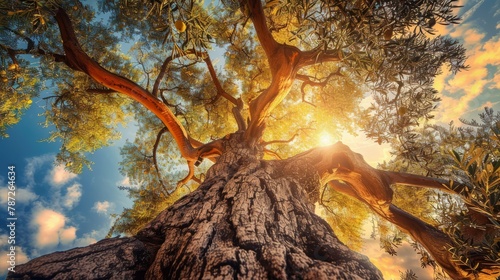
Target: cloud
{"x":51,"y":229}
{"x":23,"y":196}
{"x":33,"y":164}
{"x":468,"y":34}
{"x":102,"y":207}
{"x":59,"y":175}
{"x":73,"y":194}
{"x":468,"y":13}
{"x":68,"y":235}
{"x":460,"y":93}
{"x":125,"y":182}
{"x":87,"y":239}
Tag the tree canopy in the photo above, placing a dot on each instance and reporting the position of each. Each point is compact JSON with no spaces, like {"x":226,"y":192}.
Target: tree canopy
{"x":189,"y":73}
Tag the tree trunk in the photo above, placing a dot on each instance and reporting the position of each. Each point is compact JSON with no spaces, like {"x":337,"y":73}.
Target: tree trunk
{"x":250,"y":219}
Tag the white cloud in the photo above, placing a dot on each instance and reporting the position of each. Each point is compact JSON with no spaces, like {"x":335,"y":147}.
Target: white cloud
{"x":49,"y":223}
{"x":87,"y":239}
{"x":102,"y":207}
{"x":23,"y":196}
{"x":124,"y":182}
{"x":33,"y":164}
{"x":68,"y":235}
{"x":468,"y":13}
{"x":51,"y":229}
{"x":59,"y":175}
{"x":73,"y":194}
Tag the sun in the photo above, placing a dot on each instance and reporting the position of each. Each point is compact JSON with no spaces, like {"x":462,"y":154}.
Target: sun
{"x":325,"y":139}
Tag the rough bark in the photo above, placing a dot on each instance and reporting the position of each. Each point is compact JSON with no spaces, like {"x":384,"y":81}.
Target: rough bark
{"x":250,"y":219}
{"x":114,"y":258}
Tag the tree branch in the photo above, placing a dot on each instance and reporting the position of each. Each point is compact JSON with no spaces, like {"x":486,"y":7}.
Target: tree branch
{"x":155,"y":161}
{"x":318,"y":55}
{"x":308,"y":81}
{"x":215,"y":79}
{"x":256,"y":14}
{"x":77,"y":59}
{"x":424,"y":182}
{"x":164,"y":67}
{"x":347,"y":172}
{"x":238,"y":103}
{"x":280,"y":141}
{"x":30,"y":48}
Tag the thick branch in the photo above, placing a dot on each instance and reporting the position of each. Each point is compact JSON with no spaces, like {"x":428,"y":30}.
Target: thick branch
{"x":424,"y":182}
{"x":256,"y":13}
{"x":318,"y":55}
{"x":79,"y":60}
{"x":348,"y":173}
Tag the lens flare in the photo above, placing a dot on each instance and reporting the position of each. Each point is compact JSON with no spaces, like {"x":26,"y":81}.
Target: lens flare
{"x":325,"y":139}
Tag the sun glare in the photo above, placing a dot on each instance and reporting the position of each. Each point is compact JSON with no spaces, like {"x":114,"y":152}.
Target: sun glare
{"x":325,"y":139}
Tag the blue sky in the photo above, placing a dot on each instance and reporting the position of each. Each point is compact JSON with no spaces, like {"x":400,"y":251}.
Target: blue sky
{"x":58,"y":210}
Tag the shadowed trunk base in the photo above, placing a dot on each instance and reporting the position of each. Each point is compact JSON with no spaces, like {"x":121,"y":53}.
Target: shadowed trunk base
{"x":250,"y":219}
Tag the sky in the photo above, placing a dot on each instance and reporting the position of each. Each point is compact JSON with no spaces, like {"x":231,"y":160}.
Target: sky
{"x":58,"y":210}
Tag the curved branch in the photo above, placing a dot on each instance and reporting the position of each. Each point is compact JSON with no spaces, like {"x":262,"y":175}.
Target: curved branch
{"x":272,"y":153}
{"x":280,"y":141}
{"x":189,"y":176}
{"x":80,"y":61}
{"x":163,"y":70}
{"x":238,"y":103}
{"x":155,"y":161}
{"x":308,"y":81}
{"x":164,"y":66}
{"x":348,"y":173}
{"x":424,"y":182}
{"x":209,"y":150}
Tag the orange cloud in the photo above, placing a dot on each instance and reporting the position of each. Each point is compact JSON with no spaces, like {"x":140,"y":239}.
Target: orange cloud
{"x":463,"y":88}
{"x":392,"y":266}
{"x":469,"y":35}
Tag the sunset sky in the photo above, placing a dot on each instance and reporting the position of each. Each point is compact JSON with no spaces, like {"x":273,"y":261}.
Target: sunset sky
{"x":58,"y":210}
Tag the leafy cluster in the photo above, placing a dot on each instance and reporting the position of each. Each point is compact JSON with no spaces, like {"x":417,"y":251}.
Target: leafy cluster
{"x":469,"y":156}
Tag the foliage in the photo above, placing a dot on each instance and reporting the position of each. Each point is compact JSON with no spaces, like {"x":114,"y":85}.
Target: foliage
{"x":467,"y":155}
{"x":346,"y":217}
{"x":476,"y":229}
{"x":408,"y":275}
{"x":17,"y":88}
